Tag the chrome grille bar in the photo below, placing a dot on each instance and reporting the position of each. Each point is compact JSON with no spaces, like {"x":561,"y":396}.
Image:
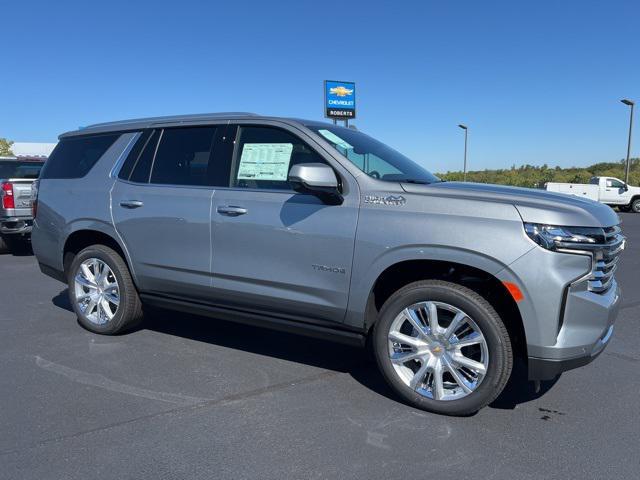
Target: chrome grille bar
{"x":605,"y":258}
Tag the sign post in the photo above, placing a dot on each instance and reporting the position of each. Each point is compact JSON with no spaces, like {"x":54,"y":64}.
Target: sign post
{"x":339,"y":100}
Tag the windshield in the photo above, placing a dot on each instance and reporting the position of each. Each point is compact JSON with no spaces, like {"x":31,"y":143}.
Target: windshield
{"x":17,"y":169}
{"x":373,"y":157}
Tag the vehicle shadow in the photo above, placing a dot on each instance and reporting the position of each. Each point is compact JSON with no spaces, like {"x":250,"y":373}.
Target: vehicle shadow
{"x":355,"y":361}
{"x":61,"y":300}
{"x":519,"y":390}
{"x":18,"y":249}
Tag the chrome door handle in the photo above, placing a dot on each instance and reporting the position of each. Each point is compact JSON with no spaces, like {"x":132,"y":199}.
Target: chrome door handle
{"x":231,"y":211}
{"x":131,"y":204}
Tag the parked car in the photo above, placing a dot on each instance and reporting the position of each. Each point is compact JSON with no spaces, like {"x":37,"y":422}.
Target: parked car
{"x":609,"y":190}
{"x":16,"y":177}
{"x":318,"y":229}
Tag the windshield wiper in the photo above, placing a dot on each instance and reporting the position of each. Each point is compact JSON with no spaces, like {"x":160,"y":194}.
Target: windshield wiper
{"x":413,"y":180}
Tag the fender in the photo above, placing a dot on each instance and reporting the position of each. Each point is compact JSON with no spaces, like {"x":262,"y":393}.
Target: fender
{"x":363,"y":283}
{"x":95,"y":225}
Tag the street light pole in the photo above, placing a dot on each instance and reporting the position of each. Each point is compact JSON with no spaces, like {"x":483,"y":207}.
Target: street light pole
{"x":631,"y":104}
{"x":464,"y":127}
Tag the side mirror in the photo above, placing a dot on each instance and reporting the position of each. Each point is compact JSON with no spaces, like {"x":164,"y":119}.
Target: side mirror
{"x":318,"y":179}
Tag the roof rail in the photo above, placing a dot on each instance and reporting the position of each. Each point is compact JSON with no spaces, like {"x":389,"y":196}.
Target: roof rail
{"x":171,"y":118}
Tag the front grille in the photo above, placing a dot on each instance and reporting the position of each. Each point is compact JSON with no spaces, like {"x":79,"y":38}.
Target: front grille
{"x":605,"y":254}
{"x":606,"y":260}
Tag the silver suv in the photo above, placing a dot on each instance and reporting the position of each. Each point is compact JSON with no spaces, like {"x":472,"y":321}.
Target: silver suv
{"x":317,"y":229}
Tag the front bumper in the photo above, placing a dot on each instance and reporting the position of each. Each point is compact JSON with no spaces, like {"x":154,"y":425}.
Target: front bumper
{"x":587,"y":328}
{"x":548,"y":369}
{"x":15,"y":225}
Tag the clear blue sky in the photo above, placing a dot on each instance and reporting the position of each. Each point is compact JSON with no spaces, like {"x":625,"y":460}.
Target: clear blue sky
{"x":536,"y":81}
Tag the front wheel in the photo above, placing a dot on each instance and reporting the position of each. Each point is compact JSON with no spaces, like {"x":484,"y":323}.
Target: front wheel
{"x":635,"y":206}
{"x":102,"y":292}
{"x":442,"y":347}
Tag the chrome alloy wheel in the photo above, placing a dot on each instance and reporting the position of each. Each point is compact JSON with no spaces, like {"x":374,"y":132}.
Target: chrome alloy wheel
{"x":438,"y":350}
{"x":96,"y":291}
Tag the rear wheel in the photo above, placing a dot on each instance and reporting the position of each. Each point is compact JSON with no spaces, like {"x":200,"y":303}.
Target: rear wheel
{"x":442,"y":347}
{"x":102,"y":292}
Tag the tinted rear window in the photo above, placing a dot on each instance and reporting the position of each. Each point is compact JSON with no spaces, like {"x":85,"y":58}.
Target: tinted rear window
{"x":73,"y":157}
{"x":17,"y":169}
{"x":183,"y":156}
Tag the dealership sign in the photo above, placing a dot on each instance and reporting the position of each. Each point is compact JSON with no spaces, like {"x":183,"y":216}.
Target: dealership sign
{"x":339,"y":99}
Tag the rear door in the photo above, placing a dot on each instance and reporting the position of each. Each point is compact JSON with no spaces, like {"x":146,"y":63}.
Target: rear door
{"x":161,"y":206}
{"x":276,"y":251}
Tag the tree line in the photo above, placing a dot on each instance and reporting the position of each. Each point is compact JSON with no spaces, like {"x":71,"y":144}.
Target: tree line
{"x":5,"y":148}
{"x":536,"y":176}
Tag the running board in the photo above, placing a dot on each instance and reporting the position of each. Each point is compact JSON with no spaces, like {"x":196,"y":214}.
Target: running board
{"x":257,"y":320}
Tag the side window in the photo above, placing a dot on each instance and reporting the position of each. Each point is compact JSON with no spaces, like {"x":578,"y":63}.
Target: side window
{"x":377,"y":168}
{"x":264,"y":156}
{"x":183,"y":156}
{"x":134,"y":154}
{"x":615,"y":183}
{"x":142,"y":166}
{"x":73,"y":157}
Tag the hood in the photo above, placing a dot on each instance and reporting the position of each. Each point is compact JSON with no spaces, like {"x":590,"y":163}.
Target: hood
{"x":535,"y":206}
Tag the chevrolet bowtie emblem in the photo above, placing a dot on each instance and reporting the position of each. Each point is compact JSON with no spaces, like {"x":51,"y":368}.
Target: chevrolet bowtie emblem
{"x":341,"y":91}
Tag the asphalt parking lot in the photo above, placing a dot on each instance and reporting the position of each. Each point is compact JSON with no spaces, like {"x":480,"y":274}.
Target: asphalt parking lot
{"x":190,"y":397}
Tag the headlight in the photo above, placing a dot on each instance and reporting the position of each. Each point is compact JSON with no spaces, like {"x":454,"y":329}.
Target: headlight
{"x":558,"y":238}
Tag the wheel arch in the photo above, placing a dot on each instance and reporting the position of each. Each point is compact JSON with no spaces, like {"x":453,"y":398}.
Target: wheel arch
{"x":85,"y":236}
{"x":476,"y":277}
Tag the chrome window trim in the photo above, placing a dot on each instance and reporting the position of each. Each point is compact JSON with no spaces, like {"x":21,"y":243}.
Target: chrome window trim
{"x":115,"y":170}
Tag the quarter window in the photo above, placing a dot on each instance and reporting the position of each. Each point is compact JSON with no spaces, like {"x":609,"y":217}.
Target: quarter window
{"x":73,"y":157}
{"x":264,"y":156}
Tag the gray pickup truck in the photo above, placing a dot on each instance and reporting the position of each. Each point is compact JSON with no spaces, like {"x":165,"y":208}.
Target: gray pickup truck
{"x":16,"y":220}
{"x":322,"y":230}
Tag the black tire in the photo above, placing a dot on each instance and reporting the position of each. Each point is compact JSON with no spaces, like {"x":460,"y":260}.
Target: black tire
{"x":4,"y":245}
{"x":635,"y":206}
{"x":624,"y":208}
{"x":129,"y":311}
{"x":483,"y":314}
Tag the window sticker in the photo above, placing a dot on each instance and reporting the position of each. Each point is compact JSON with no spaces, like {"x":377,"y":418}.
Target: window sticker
{"x":265,"y":161}
{"x":333,"y":138}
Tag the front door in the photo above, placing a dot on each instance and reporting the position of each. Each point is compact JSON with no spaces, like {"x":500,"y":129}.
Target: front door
{"x":277,"y":251}
{"x":615,"y":192}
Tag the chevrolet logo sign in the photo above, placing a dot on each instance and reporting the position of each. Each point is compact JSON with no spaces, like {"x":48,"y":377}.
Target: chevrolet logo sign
{"x":341,"y":91}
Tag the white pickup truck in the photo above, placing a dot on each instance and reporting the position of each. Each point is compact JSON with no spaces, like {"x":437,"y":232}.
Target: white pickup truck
{"x":609,"y":190}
